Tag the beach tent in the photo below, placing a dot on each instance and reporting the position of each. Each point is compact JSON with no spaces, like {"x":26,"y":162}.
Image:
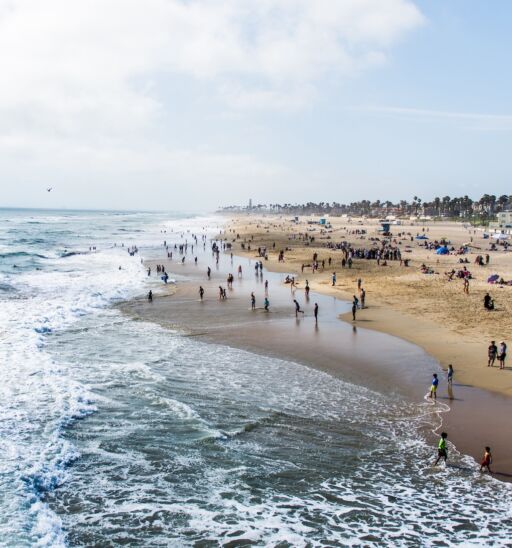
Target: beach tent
{"x":443,"y":250}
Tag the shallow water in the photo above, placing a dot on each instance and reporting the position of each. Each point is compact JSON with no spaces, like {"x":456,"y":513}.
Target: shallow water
{"x":117,"y":431}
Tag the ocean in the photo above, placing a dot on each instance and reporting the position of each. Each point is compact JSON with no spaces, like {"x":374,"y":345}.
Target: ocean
{"x":116,"y":431}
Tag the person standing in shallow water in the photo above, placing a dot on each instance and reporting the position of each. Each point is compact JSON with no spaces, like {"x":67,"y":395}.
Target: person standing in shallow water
{"x":201,"y":292}
{"x":433,"y":387}
{"x":450,"y":375}
{"x":315,"y":311}
{"x":253,"y":301}
{"x":486,"y":460}
{"x":442,"y":452}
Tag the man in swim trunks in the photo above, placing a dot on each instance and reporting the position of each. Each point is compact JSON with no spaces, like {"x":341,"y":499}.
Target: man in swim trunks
{"x":442,"y":452}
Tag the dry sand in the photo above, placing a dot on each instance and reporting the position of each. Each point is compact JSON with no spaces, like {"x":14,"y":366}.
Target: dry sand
{"x":425,"y":309}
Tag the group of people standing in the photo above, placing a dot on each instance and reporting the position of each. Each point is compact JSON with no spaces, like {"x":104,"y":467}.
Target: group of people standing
{"x":494,"y":353}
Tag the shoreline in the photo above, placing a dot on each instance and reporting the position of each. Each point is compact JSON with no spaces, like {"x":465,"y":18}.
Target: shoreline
{"x":400,"y":302}
{"x":391,"y":372}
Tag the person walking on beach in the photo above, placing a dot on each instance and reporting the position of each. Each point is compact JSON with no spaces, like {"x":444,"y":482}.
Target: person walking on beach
{"x":502,"y":354}
{"x":363,"y":297}
{"x":466,"y":286}
{"x":333,"y":279}
{"x":433,"y":387}
{"x":354,"y":310}
{"x":239,"y":270}
{"x":201,"y":292}
{"x":307,"y":289}
{"x":492,"y":352}
{"x":442,"y":452}
{"x":150,"y":296}
{"x":209,"y":272}
{"x":266,"y":287}
{"x":297,"y":308}
{"x":315,"y":311}
{"x":266,"y":304}
{"x":486,"y":460}
{"x":253,"y":301}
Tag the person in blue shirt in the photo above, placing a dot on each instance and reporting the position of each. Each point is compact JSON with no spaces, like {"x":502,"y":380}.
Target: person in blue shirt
{"x":433,"y":388}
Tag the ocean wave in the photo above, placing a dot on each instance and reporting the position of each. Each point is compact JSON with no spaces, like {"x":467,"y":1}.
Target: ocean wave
{"x":14,"y":254}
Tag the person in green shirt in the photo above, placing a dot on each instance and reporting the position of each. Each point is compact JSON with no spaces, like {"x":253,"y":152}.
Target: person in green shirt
{"x":442,"y":452}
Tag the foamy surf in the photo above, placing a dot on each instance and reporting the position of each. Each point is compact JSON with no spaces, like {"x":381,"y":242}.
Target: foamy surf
{"x":121,"y":432}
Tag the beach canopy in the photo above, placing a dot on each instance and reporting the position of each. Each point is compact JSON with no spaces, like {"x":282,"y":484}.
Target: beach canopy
{"x":442,"y":250}
{"x":500,"y":236}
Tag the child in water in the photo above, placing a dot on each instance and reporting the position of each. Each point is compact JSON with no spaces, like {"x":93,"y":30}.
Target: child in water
{"x":450,"y":375}
{"x":486,"y":460}
{"x":442,"y":452}
{"x":433,"y":388}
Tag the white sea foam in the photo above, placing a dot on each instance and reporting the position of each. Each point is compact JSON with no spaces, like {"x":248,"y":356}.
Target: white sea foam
{"x":38,"y":394}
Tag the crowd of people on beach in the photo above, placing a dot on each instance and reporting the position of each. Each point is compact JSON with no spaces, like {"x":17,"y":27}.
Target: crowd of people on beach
{"x":385,"y":253}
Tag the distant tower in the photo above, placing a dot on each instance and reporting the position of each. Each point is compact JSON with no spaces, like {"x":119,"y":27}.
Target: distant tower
{"x":250,"y":203}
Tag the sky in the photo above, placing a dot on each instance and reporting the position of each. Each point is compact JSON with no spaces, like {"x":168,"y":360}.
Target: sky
{"x":194,"y":104}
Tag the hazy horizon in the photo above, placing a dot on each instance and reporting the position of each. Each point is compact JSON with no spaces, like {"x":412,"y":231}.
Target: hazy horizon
{"x":200,"y":104}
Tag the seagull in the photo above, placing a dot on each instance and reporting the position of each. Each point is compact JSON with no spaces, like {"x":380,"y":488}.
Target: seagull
{"x":49,"y":189}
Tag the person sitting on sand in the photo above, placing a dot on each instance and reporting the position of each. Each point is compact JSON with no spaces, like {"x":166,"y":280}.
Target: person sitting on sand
{"x":486,"y":460}
{"x":488,"y":302}
{"x":442,"y":452}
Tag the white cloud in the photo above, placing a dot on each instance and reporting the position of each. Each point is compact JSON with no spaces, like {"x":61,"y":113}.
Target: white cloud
{"x":471,"y":120}
{"x":87,"y":74}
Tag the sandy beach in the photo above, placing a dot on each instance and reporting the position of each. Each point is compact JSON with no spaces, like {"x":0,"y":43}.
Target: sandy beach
{"x":426,"y":309}
{"x":362,"y":353}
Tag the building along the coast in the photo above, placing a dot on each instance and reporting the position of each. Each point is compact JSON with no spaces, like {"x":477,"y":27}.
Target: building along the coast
{"x":503,"y":220}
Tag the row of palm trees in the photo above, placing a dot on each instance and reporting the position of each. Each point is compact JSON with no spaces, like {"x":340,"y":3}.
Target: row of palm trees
{"x":461,"y":207}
